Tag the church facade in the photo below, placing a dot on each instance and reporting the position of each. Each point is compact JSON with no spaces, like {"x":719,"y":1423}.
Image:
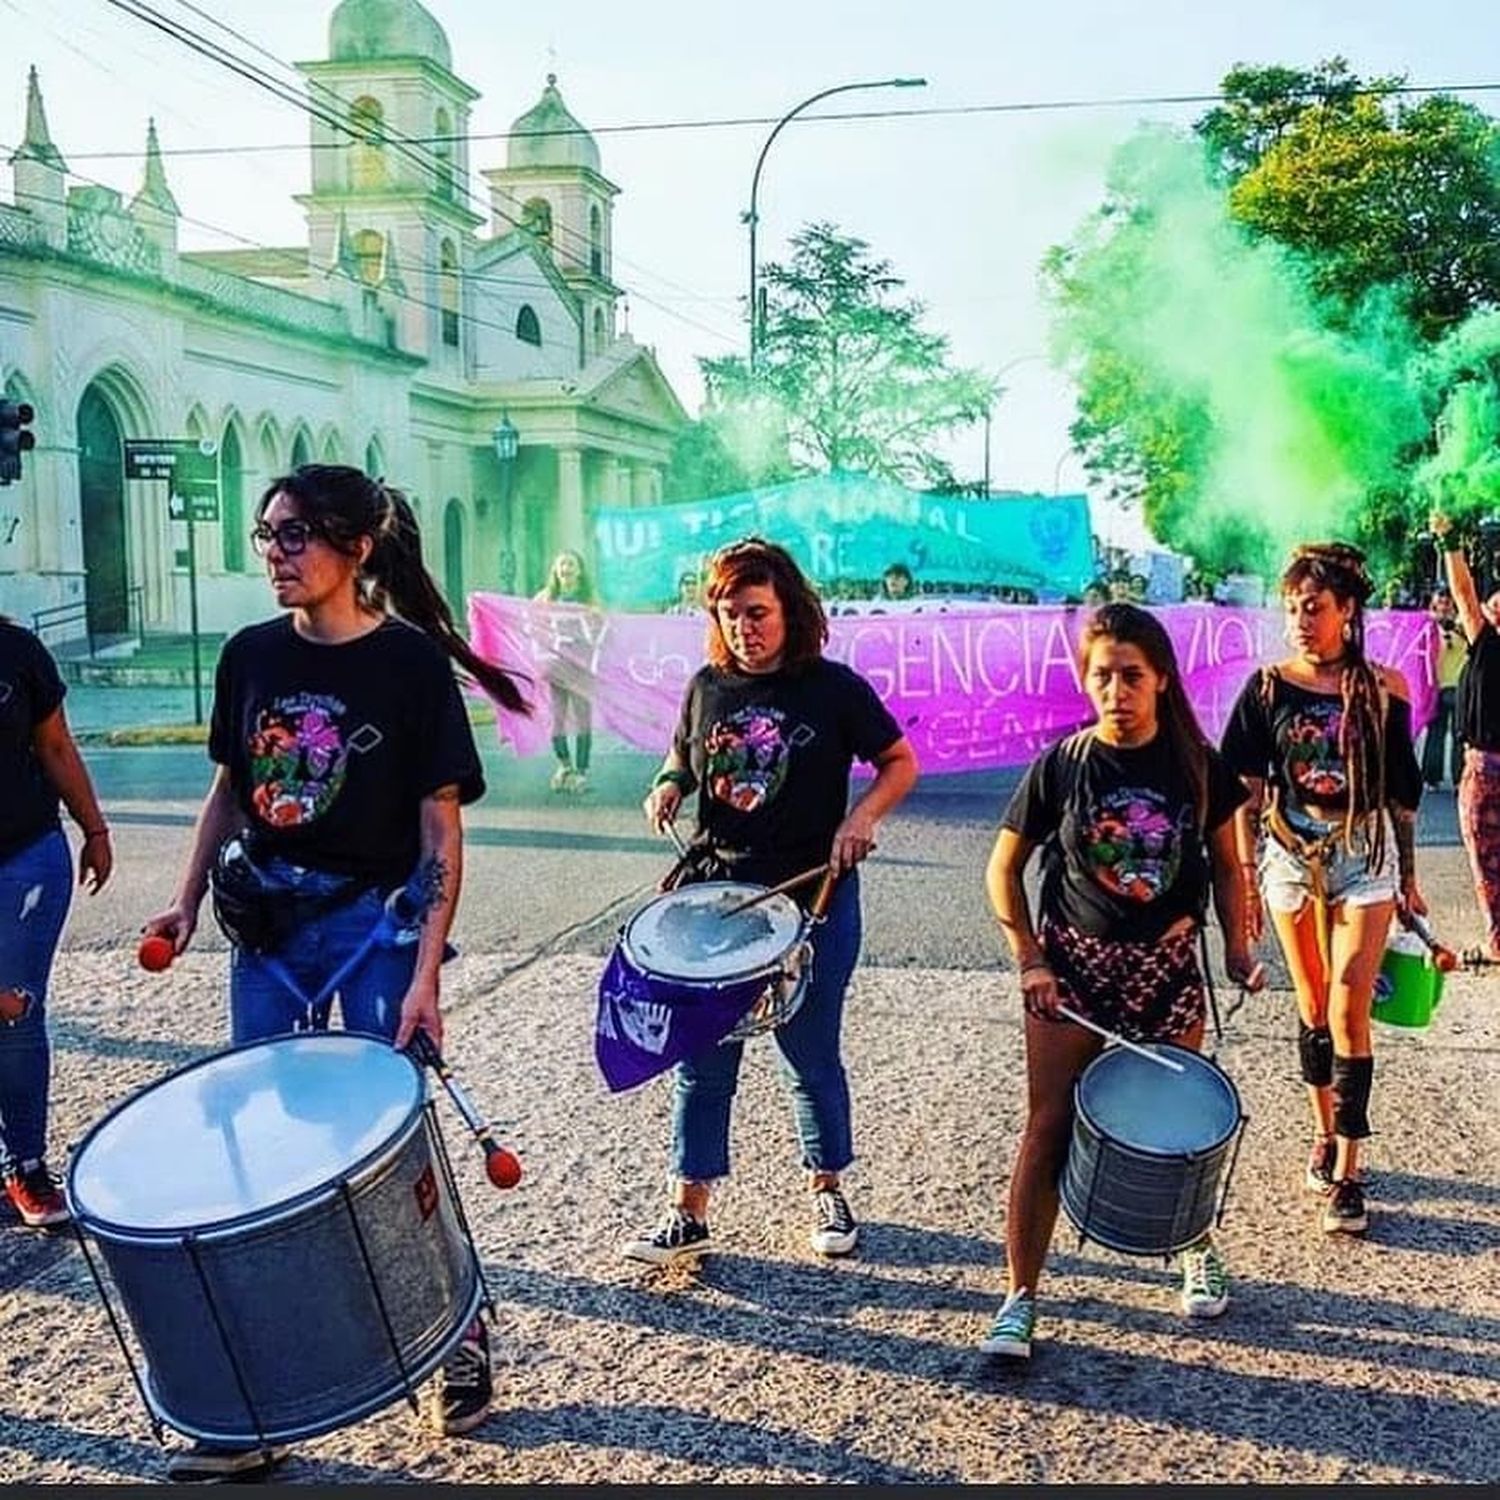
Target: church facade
{"x":475,"y":359}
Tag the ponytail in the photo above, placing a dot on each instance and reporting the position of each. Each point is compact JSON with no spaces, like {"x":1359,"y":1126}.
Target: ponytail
{"x":398,"y":581}
{"x":345,"y":504}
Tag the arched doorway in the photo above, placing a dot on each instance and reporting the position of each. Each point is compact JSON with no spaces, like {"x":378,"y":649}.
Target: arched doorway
{"x":101,"y":493}
{"x":232,"y":500}
{"x":453,"y":556}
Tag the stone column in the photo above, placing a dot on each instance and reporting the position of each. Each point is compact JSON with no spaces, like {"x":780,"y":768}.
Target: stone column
{"x":570,"y":518}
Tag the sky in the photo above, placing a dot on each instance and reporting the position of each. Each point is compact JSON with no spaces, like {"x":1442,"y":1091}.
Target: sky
{"x":963,"y":205}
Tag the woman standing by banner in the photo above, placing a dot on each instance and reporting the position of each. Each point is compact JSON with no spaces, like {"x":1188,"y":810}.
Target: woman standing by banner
{"x":568,"y":583}
{"x":1323,"y":741}
{"x":767,"y":734}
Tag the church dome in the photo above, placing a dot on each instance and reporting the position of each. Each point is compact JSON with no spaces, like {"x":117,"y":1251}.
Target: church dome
{"x":371,"y":30}
{"x":547,"y":135}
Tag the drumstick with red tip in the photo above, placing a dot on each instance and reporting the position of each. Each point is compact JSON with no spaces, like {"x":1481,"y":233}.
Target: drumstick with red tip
{"x":501,"y":1166}
{"x":1443,"y":958}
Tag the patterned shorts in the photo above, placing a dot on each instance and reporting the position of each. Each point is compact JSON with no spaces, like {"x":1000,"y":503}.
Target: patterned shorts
{"x":1147,"y":992}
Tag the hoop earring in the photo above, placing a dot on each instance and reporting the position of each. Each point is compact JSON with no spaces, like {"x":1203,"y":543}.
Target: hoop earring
{"x":1348,"y":630}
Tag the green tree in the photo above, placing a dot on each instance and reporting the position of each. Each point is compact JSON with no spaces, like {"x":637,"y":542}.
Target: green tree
{"x":846,"y":371}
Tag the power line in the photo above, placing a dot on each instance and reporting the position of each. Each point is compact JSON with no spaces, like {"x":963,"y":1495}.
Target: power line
{"x":736,"y":122}
{"x":339,"y":117}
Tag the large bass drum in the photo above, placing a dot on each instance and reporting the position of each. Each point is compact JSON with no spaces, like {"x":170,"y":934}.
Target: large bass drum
{"x":282,"y":1228}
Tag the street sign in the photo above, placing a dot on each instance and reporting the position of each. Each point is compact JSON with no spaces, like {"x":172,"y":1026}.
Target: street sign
{"x":190,"y":467}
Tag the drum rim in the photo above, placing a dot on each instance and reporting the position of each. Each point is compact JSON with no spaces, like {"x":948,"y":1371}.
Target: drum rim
{"x":767,"y":970}
{"x":1152,"y":1153}
{"x":269,"y":1213}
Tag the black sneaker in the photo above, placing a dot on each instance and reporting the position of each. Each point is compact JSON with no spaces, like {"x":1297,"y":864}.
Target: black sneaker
{"x":836,"y":1232}
{"x":1345,"y":1211}
{"x":205,"y":1464}
{"x":1320,"y":1160}
{"x":677,"y":1235}
{"x":467,"y":1387}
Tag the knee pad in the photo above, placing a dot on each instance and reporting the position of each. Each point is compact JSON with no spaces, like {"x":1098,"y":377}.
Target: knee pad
{"x":1352,"y":1077}
{"x":1315,"y":1052}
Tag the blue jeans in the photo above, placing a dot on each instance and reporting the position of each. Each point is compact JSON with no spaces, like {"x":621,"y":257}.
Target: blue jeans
{"x":36,"y":885}
{"x":704,"y":1085}
{"x":262,"y":1004}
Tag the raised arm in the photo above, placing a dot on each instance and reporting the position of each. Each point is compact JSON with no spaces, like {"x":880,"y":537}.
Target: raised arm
{"x":1459,"y":575}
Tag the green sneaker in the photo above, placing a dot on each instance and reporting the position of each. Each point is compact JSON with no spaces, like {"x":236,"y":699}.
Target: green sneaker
{"x":1010,"y":1334}
{"x":1205,"y":1282}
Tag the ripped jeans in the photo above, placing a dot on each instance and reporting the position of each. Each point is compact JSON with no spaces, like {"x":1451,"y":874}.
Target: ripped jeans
{"x":36,"y":886}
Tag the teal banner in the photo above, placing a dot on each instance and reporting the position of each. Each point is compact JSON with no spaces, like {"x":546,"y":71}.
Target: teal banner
{"x":846,"y":528}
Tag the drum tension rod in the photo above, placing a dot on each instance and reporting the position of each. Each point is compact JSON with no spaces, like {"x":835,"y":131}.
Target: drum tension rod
{"x":385,"y":1316}
{"x":488,"y":1302}
{"x":114,"y":1323}
{"x":190,"y":1244}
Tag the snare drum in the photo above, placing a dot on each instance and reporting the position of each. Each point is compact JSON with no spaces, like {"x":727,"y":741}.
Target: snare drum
{"x":281,"y":1226}
{"x":684,"y":977}
{"x":1148,"y":1148}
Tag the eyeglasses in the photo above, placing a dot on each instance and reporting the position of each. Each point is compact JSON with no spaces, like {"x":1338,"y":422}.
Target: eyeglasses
{"x":291,"y":537}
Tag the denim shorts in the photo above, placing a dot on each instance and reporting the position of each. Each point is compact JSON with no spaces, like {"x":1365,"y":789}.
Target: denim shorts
{"x":1287,"y":882}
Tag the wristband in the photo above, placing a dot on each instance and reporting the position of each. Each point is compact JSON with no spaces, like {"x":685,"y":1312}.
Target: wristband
{"x":95,"y":833}
{"x":1040,"y":963}
{"x":684,"y":781}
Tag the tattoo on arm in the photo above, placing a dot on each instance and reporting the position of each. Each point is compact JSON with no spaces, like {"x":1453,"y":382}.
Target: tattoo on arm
{"x":430,"y":883}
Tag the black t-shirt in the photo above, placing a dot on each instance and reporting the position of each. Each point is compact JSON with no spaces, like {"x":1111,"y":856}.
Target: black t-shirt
{"x":331,"y":749}
{"x":772,"y":754}
{"x":1293,"y":741}
{"x":1122,"y":854}
{"x":1477,"y":702}
{"x":30,"y":691}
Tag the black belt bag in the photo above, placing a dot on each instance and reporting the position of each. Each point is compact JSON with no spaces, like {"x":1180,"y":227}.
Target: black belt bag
{"x":259,"y":913}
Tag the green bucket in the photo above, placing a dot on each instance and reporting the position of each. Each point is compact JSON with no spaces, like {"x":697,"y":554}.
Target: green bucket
{"x":1409,"y":985}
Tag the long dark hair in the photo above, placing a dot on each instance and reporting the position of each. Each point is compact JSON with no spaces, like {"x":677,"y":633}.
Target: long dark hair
{"x":344,"y":504}
{"x":1130,"y":625}
{"x":757,"y":561}
{"x":1340,"y":568}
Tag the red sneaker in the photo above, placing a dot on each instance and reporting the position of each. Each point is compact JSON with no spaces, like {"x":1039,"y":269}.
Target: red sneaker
{"x":35,"y":1195}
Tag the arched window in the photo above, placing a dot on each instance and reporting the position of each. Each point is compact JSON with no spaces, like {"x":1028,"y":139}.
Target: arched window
{"x":599,"y":334}
{"x":442,"y":155}
{"x":232,"y":501}
{"x":374,"y":460}
{"x":448,"y":292}
{"x":536,"y":215}
{"x":528,"y":329}
{"x":596,"y":241}
{"x":301,"y":449}
{"x":367,"y":150}
{"x":369,"y":253}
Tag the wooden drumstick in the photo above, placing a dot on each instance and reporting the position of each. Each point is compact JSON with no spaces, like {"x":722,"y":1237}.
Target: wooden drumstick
{"x":777,"y":890}
{"x":1114,"y":1036}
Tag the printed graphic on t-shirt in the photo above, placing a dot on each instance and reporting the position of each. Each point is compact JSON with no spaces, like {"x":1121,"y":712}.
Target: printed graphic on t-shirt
{"x":299,"y":755}
{"x":746,"y":758}
{"x":1132,"y":844}
{"x":1313,"y":762}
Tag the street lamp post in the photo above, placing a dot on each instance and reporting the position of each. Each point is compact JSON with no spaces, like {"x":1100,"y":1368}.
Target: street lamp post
{"x":507,"y":445}
{"x":751,"y":217}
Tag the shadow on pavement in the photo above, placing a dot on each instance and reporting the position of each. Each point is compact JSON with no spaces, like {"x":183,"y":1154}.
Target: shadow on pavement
{"x":692,"y":1437}
{"x":1444,"y":1437}
{"x":75,"y":1036}
{"x":887,"y":1244}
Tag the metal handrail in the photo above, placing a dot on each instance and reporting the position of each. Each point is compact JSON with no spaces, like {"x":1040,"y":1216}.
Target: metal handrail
{"x":77,"y":612}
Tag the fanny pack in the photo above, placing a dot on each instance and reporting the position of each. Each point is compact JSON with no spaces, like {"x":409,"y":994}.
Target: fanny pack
{"x":261,"y":914}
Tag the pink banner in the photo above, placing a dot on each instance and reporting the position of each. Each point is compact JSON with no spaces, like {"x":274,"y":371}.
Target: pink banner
{"x":974,"y":689}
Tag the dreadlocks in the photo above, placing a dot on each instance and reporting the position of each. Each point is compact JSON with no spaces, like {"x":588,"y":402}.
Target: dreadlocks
{"x":1340,"y":568}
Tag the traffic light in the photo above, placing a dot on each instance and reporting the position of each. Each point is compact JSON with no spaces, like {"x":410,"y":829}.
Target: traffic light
{"x":15,"y":418}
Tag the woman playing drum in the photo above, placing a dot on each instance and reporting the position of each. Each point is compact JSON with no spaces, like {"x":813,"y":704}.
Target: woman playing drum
{"x":1136,"y":818}
{"x":766,"y":737}
{"x":344,"y":755}
{"x":1323,"y":740}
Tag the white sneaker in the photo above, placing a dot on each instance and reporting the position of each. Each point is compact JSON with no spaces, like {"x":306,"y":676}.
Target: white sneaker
{"x":677,"y":1235}
{"x":836,"y":1232}
{"x":561,"y":778}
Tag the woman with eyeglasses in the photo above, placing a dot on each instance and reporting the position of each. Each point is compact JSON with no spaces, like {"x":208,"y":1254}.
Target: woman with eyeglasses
{"x":343,"y":756}
{"x":768,"y":732}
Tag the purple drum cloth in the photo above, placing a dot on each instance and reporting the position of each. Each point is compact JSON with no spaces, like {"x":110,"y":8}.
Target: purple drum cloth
{"x":646,"y":1024}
